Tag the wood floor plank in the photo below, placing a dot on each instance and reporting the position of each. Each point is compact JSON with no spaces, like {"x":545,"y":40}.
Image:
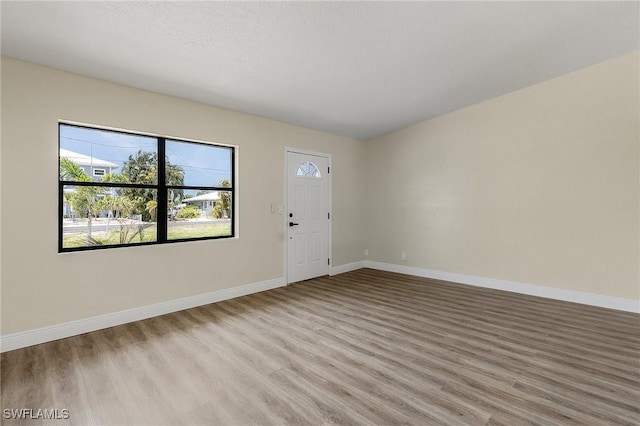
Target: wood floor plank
{"x":370,"y":378}
{"x":362,"y":348}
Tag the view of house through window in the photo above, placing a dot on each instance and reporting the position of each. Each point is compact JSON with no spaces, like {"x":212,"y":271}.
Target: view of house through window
{"x":112,"y":185}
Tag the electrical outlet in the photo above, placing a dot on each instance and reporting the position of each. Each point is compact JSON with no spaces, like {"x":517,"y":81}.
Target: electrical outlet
{"x":366,"y":252}
{"x":404,"y":255}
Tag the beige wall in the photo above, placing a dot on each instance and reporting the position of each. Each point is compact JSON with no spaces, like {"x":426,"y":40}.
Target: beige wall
{"x":41,"y":287}
{"x":540,"y":186}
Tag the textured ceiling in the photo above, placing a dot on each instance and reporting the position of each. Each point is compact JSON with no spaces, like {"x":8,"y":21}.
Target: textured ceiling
{"x":359,"y":69}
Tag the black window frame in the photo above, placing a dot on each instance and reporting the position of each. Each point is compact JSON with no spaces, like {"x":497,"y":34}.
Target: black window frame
{"x":161,"y":187}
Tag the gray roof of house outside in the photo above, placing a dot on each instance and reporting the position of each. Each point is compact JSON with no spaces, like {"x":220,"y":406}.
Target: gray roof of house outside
{"x":85,"y":160}
{"x":211,"y":196}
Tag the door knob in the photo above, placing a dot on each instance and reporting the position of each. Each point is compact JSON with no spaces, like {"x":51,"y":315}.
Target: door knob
{"x":293,"y":224}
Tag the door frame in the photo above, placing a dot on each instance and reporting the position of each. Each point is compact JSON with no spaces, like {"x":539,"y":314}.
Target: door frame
{"x":285,"y":214}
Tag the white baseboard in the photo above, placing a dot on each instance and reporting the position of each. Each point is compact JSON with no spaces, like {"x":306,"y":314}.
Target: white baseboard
{"x":346,"y":268}
{"x":73,"y":328}
{"x":618,"y":303}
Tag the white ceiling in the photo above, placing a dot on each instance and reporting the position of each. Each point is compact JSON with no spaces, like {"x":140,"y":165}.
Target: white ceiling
{"x":359,"y":69}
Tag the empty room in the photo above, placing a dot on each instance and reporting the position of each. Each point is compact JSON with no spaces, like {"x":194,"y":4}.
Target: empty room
{"x":320,"y":213}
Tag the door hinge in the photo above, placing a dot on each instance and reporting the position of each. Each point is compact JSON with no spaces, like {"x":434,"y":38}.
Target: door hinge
{"x":328,"y":215}
{"x":328,"y":262}
{"x":328,"y":169}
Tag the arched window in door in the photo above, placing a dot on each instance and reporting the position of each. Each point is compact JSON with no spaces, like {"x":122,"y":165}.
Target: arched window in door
{"x":308,"y":169}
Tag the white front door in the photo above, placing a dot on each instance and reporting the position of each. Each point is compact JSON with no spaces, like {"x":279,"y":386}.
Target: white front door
{"x":307,"y":216}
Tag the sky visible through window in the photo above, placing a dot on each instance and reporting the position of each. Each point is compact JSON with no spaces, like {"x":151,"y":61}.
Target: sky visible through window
{"x":202,"y":165}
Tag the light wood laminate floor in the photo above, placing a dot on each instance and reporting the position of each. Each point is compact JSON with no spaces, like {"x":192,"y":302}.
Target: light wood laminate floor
{"x":365,"y":347}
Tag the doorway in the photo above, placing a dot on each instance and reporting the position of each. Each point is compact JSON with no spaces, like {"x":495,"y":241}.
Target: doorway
{"x":307,"y":215}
